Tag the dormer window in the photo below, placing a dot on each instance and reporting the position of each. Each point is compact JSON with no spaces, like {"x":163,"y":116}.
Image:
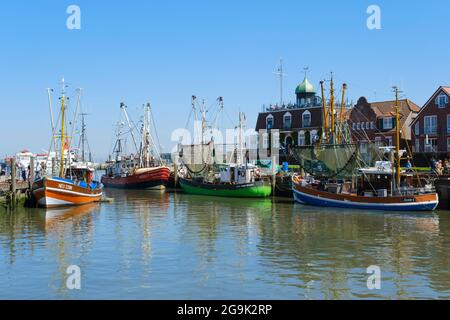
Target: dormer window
{"x":287,"y":121}
{"x":269,"y":122}
{"x":442,"y":100}
{"x":388,"y":123}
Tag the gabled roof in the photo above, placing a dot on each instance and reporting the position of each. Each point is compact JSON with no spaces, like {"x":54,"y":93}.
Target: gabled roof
{"x":387,"y":108}
{"x":445,"y":89}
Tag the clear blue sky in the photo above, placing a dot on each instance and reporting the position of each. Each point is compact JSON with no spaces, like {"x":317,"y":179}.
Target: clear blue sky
{"x":165,"y":51}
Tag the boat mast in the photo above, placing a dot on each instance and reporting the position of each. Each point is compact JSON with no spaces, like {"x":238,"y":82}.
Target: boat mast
{"x":333,"y":128}
{"x":124,"y":108}
{"x":397,"y":145}
{"x":324,"y":110}
{"x":63,"y":135}
{"x":280,"y":73}
{"x":83,"y":136}
{"x":241,"y":142}
{"x":341,"y":115}
{"x":146,"y":136}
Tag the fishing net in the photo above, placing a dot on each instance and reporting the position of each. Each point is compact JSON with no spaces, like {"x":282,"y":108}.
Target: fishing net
{"x":328,"y":161}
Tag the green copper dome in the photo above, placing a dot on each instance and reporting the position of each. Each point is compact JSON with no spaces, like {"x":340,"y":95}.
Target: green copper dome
{"x":305,"y":87}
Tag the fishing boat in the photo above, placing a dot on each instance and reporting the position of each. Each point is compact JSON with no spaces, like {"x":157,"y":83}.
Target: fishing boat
{"x":74,"y":185}
{"x":143,"y":170}
{"x":233,"y":181}
{"x":382,"y":187}
{"x":206,"y":174}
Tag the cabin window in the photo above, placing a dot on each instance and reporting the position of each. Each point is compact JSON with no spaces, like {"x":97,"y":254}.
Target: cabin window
{"x":306,"y":119}
{"x":269,"y":122}
{"x":442,"y":100}
{"x":287,"y":121}
{"x":388,"y":123}
{"x":430,"y":124}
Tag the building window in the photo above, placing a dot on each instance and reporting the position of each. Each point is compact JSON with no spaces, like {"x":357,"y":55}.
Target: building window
{"x":314,"y":136}
{"x":378,"y":141}
{"x":442,"y":100}
{"x":372,"y":125}
{"x":306,"y":119}
{"x":301,"y":138}
{"x":367,"y":126}
{"x":387,"y":123}
{"x":389,"y":141}
{"x":417,"y":145}
{"x":448,"y":123}
{"x":430,"y":124}
{"x":431,"y":145}
{"x":269,"y":122}
{"x":354,"y":126}
{"x":265,"y":140}
{"x":358,"y":126}
{"x":448,"y":144}
{"x":287,"y":121}
{"x":417,"y":129}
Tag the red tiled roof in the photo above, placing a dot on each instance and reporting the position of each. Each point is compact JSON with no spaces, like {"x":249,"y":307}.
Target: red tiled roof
{"x":446,"y":89}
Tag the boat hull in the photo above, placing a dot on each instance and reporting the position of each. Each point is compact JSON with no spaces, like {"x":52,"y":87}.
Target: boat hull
{"x":153,"y":178}
{"x":310,"y":196}
{"x":53,"y":192}
{"x":250,"y":190}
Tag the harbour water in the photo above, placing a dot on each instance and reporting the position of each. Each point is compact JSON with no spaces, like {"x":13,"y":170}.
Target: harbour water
{"x":152,"y":245}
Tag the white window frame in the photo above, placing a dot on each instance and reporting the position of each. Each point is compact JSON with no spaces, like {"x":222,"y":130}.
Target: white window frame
{"x":306,"y":113}
{"x":372,"y":125}
{"x":301,"y":138}
{"x":378,"y":141}
{"x":387,"y":125}
{"x":441,"y":100}
{"x":448,"y":123}
{"x":287,"y":114}
{"x":358,"y":126}
{"x":430,"y":128}
{"x":429,"y":147}
{"x":417,"y":129}
{"x":265,"y":140}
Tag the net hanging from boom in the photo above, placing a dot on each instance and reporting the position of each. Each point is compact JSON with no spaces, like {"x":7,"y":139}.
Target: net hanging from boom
{"x":328,"y":161}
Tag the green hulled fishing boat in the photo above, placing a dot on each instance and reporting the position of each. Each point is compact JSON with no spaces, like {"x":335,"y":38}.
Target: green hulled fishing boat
{"x":205,"y":172}
{"x":258,"y":189}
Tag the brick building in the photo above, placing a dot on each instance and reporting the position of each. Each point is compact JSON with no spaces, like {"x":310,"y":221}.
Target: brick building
{"x":374,"y":122}
{"x":431,"y":128}
{"x":299,"y":123}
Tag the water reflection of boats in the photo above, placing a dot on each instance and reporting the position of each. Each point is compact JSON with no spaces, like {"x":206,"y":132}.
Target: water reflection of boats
{"x":144,"y":198}
{"x":54,"y":216}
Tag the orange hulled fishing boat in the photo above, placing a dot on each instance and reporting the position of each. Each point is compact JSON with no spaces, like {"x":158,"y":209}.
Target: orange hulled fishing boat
{"x":74,"y":185}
